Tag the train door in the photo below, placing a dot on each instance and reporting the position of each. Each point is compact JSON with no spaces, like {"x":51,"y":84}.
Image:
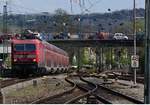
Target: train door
{"x":45,"y":60}
{"x":52,"y":60}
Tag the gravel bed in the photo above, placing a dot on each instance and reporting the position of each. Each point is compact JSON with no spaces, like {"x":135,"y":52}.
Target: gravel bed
{"x":48,"y":86}
{"x":135,"y":92}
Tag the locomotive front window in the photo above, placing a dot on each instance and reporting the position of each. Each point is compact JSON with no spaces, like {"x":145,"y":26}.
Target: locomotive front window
{"x":25,"y":47}
{"x":19,"y":47}
{"x":30,"y":47}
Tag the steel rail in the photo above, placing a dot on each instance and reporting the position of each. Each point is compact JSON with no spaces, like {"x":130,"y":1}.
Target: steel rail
{"x":57,"y":95}
{"x":82,"y":96}
{"x":117,"y":93}
{"x":13,"y":81}
{"x":103,"y":100}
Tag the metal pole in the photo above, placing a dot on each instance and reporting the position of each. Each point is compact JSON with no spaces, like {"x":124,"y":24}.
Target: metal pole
{"x":147,"y":54}
{"x":5,"y":19}
{"x":71,"y":6}
{"x":78,"y":59}
{"x":101,"y":57}
{"x":4,"y":28}
{"x":111,"y":57}
{"x":79,"y":27}
{"x":134,"y":28}
{"x":3,"y":50}
{"x":96,"y":60}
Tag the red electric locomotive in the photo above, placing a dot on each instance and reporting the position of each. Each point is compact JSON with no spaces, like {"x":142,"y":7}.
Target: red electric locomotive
{"x":33,"y":56}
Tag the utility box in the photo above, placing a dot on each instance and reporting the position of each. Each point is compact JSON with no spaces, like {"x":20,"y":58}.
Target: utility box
{"x":35,"y":83}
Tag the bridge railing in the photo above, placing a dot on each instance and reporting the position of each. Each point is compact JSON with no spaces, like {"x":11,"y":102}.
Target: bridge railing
{"x":84,"y":37}
{"x":110,"y":37}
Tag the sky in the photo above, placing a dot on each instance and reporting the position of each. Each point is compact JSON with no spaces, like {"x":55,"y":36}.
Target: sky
{"x":93,"y":6}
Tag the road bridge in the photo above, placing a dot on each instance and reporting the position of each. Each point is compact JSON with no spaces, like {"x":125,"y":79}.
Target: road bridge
{"x":84,"y":43}
{"x":96,"y":43}
{"x":76,"y":46}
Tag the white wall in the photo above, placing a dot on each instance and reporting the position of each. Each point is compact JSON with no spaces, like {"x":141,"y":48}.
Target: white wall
{"x":5,"y":49}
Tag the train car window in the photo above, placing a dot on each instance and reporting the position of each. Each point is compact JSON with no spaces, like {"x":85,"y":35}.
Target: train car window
{"x":49,"y":62}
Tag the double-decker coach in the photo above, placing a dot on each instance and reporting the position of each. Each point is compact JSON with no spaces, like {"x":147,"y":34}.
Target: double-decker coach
{"x":33,"y":56}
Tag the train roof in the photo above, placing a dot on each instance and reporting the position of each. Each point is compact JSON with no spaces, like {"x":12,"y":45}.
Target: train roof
{"x":56,"y":49}
{"x":25,"y":41}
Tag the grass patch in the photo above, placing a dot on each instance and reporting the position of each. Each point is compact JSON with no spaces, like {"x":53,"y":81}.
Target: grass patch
{"x":31,"y":93}
{"x":31,"y":90}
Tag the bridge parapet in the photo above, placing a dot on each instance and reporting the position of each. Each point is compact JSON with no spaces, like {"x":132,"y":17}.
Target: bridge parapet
{"x":95,"y":43}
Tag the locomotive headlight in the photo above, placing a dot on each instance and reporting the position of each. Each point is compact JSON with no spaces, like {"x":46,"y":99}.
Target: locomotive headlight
{"x":15,"y":60}
{"x":34,"y":60}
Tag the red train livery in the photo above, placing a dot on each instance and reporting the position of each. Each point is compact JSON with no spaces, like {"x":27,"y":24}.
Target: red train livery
{"x":32,"y":56}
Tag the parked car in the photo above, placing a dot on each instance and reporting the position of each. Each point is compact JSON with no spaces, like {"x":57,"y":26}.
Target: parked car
{"x":120,"y":36}
{"x":102,"y":35}
{"x":74,"y":36}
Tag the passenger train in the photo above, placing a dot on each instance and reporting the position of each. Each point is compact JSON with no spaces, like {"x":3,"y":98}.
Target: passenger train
{"x":34,"y":56}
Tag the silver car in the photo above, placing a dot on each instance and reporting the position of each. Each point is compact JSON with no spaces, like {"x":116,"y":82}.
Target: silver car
{"x":120,"y":36}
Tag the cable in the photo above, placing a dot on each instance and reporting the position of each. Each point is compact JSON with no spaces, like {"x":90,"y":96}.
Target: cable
{"x":81,"y":7}
{"x":92,"y":4}
{"x":71,"y":6}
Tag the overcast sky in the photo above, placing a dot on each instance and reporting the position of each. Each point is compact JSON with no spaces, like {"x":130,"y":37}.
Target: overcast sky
{"x":96,"y":6}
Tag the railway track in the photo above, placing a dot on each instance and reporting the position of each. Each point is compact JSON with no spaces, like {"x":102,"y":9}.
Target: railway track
{"x":85,"y":89}
{"x":91,"y":89}
{"x":71,"y":96}
{"x":109,"y":96}
{"x":12,"y":81}
{"x":61,"y":98}
{"x":83,"y":85}
{"x":129,"y":78}
{"x":8,"y":82}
